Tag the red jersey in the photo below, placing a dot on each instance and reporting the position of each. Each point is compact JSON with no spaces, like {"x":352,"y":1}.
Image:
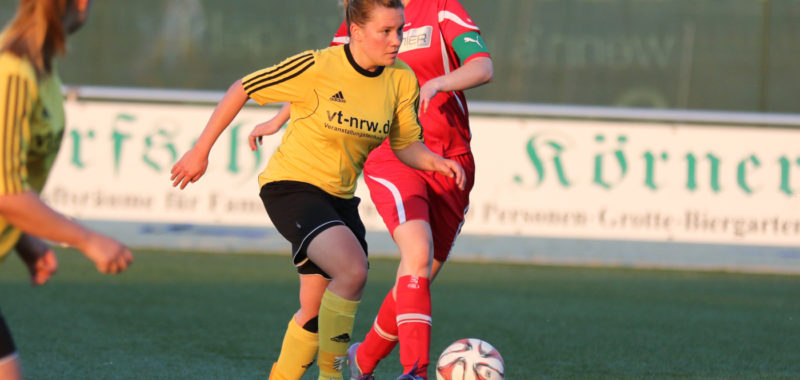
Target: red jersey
{"x":431,"y":26}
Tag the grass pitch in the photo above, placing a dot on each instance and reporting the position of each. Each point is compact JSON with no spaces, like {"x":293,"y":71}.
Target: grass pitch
{"x":193,"y":316}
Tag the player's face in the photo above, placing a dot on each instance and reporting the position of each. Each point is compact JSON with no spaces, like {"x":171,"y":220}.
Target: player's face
{"x":379,"y":38}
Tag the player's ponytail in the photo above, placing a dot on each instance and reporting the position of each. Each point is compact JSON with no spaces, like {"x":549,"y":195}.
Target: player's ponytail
{"x":36,"y":32}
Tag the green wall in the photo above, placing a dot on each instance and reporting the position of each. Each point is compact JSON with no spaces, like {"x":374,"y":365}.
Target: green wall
{"x":698,"y":54}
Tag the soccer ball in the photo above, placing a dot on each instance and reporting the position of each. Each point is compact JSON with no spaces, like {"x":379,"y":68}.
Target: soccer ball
{"x":470,"y":359}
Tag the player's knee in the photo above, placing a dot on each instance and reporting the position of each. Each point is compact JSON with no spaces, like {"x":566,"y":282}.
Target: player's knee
{"x":355,"y":276}
{"x":359,"y":274}
{"x":417,"y":262}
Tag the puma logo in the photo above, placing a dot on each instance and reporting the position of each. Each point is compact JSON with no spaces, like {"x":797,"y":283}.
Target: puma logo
{"x":468,"y":39}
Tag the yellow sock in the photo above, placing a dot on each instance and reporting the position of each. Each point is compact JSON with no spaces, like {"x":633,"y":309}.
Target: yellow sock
{"x":336,"y":317}
{"x":297,"y":353}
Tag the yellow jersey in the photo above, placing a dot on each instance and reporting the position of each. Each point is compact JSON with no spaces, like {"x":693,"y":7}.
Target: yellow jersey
{"x":32,"y":126}
{"x":339,"y":113}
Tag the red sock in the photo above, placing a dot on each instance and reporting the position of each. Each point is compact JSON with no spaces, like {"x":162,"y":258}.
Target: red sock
{"x":381,"y":338}
{"x":414,"y":323}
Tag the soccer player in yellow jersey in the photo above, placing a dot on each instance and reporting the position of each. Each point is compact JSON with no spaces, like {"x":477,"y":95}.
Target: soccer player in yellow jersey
{"x":31,"y":127}
{"x":345,"y":101}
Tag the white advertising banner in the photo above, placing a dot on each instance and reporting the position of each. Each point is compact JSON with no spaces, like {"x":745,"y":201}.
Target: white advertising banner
{"x":534,"y":177}
{"x":636,"y":181}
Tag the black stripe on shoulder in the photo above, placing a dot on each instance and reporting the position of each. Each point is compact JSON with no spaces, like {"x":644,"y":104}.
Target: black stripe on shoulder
{"x":21,"y":115}
{"x":278,"y":79}
{"x":279,"y":70}
{"x":6,"y":129}
{"x":10,"y":126}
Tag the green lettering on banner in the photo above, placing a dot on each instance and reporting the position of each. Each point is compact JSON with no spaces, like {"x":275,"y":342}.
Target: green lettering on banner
{"x":233,"y":154}
{"x":650,"y":169}
{"x":741,"y":172}
{"x":691,"y":175}
{"x":598,"y":163}
{"x":76,"y":147}
{"x":119,"y":137}
{"x":233,"y":157}
{"x":786,"y":170}
{"x":169,"y":146}
{"x":538,"y":164}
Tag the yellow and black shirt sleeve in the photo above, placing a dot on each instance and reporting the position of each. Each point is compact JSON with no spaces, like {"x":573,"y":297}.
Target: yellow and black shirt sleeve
{"x":17,"y":92}
{"x":287,"y":81}
{"x":406,"y":127}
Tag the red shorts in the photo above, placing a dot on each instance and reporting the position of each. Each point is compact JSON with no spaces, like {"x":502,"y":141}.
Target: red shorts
{"x":401,"y":193}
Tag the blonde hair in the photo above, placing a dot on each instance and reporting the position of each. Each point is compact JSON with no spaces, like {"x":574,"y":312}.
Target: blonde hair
{"x":360,"y":11}
{"x":36,"y":32}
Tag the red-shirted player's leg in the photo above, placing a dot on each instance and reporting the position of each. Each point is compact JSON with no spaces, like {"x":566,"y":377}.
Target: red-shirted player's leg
{"x":448,"y":208}
{"x":413,"y":295}
{"x":400,"y":196}
{"x":381,"y":338}
{"x":411,"y":312}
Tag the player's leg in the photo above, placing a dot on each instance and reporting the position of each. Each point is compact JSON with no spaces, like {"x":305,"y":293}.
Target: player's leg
{"x":301,"y":340}
{"x":10,"y":368}
{"x":339,"y":253}
{"x":436,"y":268}
{"x":447,"y":206}
{"x":308,"y":218}
{"x":379,"y":341}
{"x":399,"y":194}
{"x":413,"y":296}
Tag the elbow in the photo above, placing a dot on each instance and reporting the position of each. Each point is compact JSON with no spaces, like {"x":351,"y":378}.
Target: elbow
{"x":488,"y":76}
{"x":488,"y":72}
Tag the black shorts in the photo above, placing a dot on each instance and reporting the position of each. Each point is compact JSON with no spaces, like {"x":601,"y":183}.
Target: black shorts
{"x":301,"y":211}
{"x":6,"y":343}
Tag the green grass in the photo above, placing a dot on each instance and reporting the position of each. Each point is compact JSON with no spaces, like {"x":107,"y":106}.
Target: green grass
{"x":221,"y":316}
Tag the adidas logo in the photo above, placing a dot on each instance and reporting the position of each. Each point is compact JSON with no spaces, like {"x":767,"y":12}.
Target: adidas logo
{"x":338,"y":97}
{"x":344,"y":338}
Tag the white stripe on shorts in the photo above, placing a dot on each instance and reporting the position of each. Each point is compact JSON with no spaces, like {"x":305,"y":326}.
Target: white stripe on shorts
{"x":8,"y":358}
{"x":303,"y":242}
{"x":398,"y":200}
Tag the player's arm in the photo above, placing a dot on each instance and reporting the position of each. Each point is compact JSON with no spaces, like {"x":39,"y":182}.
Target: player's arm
{"x":477,"y":69}
{"x":193,"y":164}
{"x":269,"y":127}
{"x":418,"y":156}
{"x":22,"y":207}
{"x":406,"y":137}
{"x":26,"y":211}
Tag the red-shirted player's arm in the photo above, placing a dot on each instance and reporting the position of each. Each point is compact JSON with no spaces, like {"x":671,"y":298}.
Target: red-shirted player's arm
{"x":474,"y":73}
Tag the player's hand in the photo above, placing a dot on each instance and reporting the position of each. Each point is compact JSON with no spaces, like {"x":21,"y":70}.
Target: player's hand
{"x":266,"y":128}
{"x":453,"y":170}
{"x":108,"y":255}
{"x":189,"y":168}
{"x":427,"y":92}
{"x":38,"y":257}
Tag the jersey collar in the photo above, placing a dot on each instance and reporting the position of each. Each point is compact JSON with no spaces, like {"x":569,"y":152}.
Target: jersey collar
{"x":358,"y":68}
